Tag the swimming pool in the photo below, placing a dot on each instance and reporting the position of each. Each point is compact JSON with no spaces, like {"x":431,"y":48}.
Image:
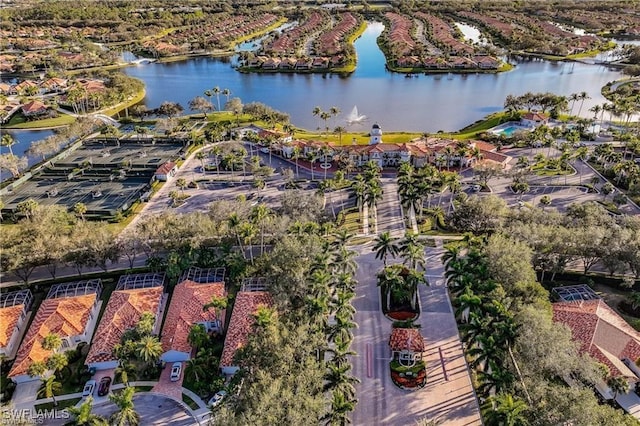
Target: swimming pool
{"x":507,"y":131}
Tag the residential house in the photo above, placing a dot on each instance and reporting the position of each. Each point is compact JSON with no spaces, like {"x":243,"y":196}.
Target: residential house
{"x":534,"y":119}
{"x":54,"y":84}
{"x":14,"y":309}
{"x":271,"y":64}
{"x":603,"y":334}
{"x":407,"y":345}
{"x":134,"y":295}
{"x":486,"y":62}
{"x":34,"y":109}
{"x":166,"y":171}
{"x":70,"y":311}
{"x":186,"y":310}
{"x":27,"y":87}
{"x":248,"y":301}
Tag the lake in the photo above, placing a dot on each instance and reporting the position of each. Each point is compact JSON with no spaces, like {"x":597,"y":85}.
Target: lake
{"x":428,"y":103}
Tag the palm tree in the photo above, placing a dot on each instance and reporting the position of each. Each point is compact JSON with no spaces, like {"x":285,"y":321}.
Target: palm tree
{"x":217,"y":303}
{"x":57,"y":362}
{"x":8,"y":141}
{"x":296,"y":152}
{"x":125,"y":372}
{"x":226,"y":92}
{"x":216,"y":93}
{"x":82,"y":415}
{"x":618,"y":385}
{"x":337,"y":378}
{"x":80,"y":209}
{"x":582,"y":97}
{"x":334,"y":111}
{"x":485,"y":352}
{"x":505,"y":410}
{"x":51,"y":342}
{"x":496,"y":380}
{"x":49,"y":389}
{"x":467,"y":303}
{"x":126,"y":414}
{"x":339,"y":130}
{"x":194,"y":370}
{"x":37,"y":368}
{"x":324,"y":116}
{"x":149,"y":349}
{"x":573,"y":98}
{"x":341,"y":406}
{"x":316,"y":111}
{"x":261,"y":214}
{"x":201,"y":155}
{"x":312,"y":157}
{"x":385,"y":245}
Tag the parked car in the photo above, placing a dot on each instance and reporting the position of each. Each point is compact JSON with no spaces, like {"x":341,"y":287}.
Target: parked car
{"x":104,"y":386}
{"x":176,"y":369}
{"x":217,"y":398}
{"x":88,"y":388}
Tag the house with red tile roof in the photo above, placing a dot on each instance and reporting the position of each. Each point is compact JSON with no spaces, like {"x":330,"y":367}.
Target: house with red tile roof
{"x":407,"y":345}
{"x":70,"y":310}
{"x":534,"y":119}
{"x":134,"y":295}
{"x":240,"y":325}
{"x":14,"y":314}
{"x":34,"y":108}
{"x":187,"y":309}
{"x":601,"y":333}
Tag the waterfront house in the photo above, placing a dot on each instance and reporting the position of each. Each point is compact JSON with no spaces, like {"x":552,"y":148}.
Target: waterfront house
{"x":70,"y":311}
{"x":14,"y":309}
{"x":534,"y":119}
{"x":34,"y":109}
{"x":134,"y":295}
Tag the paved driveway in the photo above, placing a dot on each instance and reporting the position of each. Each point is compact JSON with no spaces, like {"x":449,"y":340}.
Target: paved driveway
{"x":448,"y":395}
{"x":154,"y":409}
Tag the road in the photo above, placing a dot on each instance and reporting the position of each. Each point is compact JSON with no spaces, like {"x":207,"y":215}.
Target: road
{"x":389,"y":211}
{"x":448,"y":396}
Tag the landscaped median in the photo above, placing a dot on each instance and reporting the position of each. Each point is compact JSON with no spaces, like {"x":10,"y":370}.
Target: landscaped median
{"x":407,"y":368}
{"x":409,"y":378}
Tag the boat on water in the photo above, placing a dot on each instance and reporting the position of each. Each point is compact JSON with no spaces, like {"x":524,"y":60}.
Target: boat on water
{"x":355,"y":117}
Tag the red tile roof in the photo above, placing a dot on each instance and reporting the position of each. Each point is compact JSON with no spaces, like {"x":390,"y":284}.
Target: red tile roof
{"x":9,"y":317}
{"x":241,"y":322}
{"x":63,"y":316}
{"x":535,"y":116}
{"x":185,"y":310}
{"x":123,"y":311}
{"x":165,"y":168}
{"x":33,"y":107}
{"x":599,"y":330}
{"x":406,"y":339}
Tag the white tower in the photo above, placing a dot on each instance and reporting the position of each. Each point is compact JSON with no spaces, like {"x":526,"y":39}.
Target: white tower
{"x":376,"y":135}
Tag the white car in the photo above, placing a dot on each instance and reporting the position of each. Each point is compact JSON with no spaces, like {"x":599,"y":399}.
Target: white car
{"x":88,"y":388}
{"x":217,"y":398}
{"x":176,"y":369}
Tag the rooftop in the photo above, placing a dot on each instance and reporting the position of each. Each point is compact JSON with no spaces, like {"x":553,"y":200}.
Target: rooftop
{"x":601,"y":332}
{"x":124,"y":309}
{"x":64,"y":316}
{"x":406,"y":339}
{"x":186,"y":309}
{"x":241,"y":322}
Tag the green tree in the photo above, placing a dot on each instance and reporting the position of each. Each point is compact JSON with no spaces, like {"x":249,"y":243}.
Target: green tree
{"x":51,"y":342}
{"x":8,"y":141}
{"x":37,"y":368}
{"x":80,"y":209}
{"x":217,"y":303}
{"x":126,"y":414}
{"x":57,"y":362}
{"x":618,"y":384}
{"x":505,"y":410}
{"x":82,"y":415}
{"x":149,"y":349}
{"x":50,"y":387}
{"x":385,"y":245}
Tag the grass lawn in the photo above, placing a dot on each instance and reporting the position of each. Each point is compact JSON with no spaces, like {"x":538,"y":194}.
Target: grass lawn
{"x":480,"y":126}
{"x":18,"y":121}
{"x":348,"y":138}
{"x":61,"y":404}
{"x":349,"y":219}
{"x":190,"y":402}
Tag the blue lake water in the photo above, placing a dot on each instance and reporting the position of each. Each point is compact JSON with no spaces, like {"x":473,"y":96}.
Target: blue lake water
{"x":427,"y":103}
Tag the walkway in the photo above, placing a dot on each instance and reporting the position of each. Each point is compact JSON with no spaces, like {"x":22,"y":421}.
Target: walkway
{"x":448,"y":395}
{"x":389,"y":211}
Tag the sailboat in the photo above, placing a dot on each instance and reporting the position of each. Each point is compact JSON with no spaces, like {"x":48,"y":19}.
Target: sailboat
{"x":354,"y":117}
